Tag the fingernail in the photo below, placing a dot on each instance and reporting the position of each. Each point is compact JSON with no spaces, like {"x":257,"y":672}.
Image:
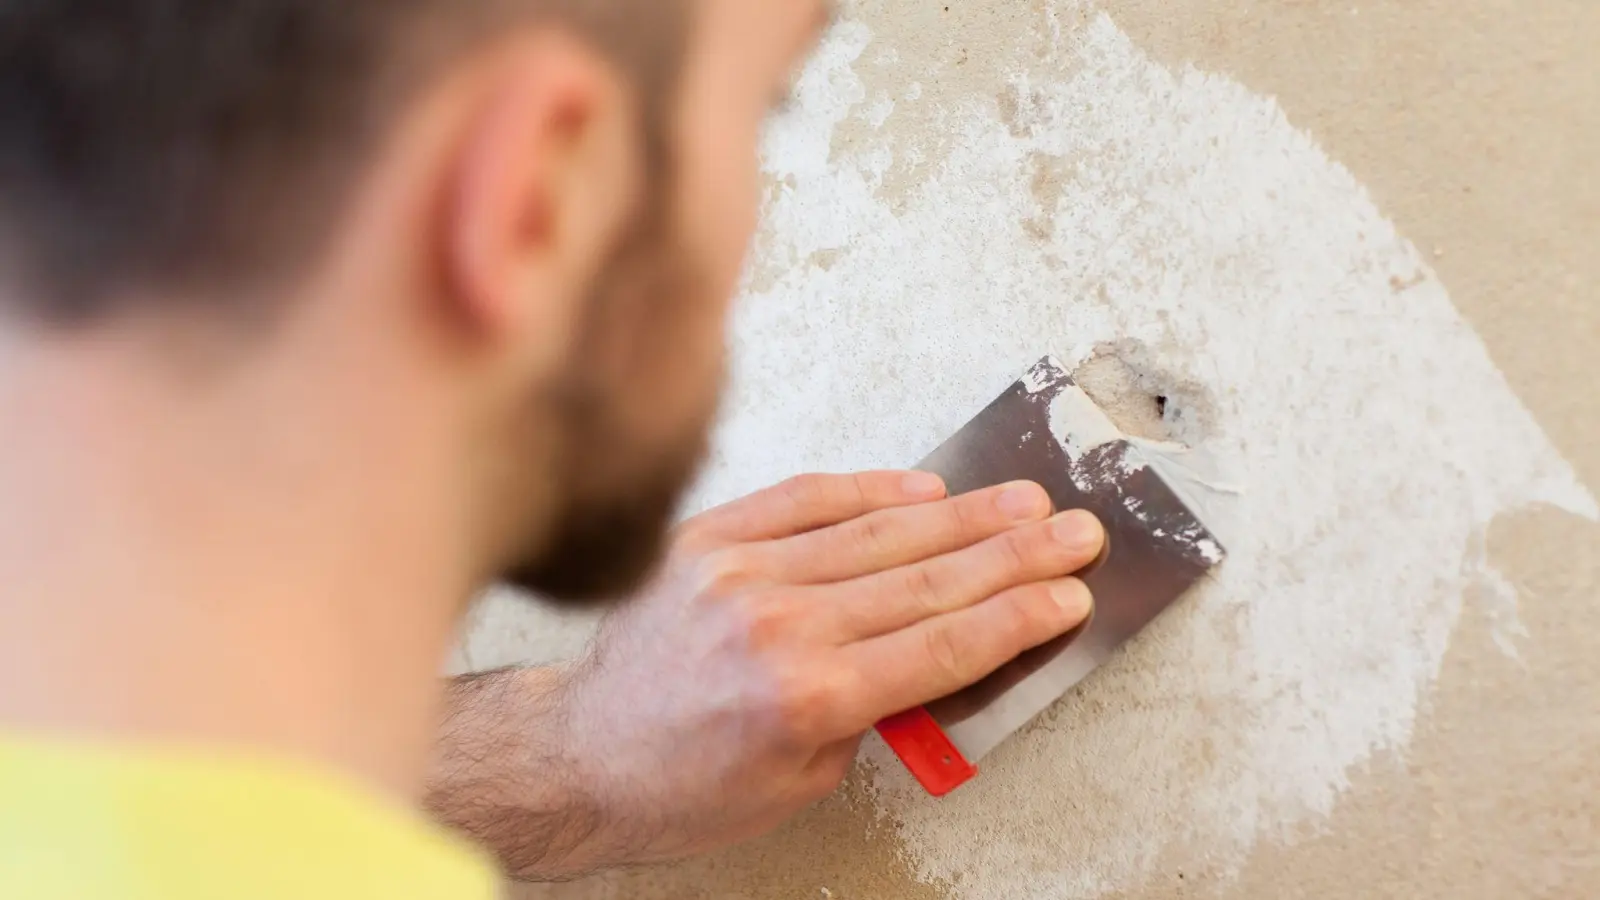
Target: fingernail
{"x":923,"y":484}
{"x":1073,"y":597}
{"x":1024,"y":502}
{"x":1078,"y":530}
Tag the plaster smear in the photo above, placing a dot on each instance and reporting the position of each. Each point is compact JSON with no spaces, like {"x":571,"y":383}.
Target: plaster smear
{"x":1079,"y":425}
{"x":1366,"y":438}
{"x":1351,"y":434}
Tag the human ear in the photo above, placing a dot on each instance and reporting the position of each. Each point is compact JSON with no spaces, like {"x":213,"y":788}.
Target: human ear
{"x":547,"y":172}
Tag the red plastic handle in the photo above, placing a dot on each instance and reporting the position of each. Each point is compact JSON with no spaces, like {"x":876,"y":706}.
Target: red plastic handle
{"x":926,"y":750}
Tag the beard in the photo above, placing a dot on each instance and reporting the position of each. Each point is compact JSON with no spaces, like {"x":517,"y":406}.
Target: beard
{"x":606,"y":548}
{"x":619,"y":485}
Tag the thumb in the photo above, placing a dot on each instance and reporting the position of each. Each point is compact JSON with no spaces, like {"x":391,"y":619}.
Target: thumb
{"x":830,"y":767}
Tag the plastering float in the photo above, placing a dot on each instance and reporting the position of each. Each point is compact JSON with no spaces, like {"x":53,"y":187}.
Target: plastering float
{"x":1045,"y":429}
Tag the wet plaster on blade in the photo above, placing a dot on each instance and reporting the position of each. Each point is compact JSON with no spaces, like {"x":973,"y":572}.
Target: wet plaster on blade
{"x":1079,"y":425}
{"x":1199,"y":220}
{"x":1155,"y":415}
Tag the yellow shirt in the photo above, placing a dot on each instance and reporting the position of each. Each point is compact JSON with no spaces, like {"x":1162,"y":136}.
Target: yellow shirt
{"x":113,"y":823}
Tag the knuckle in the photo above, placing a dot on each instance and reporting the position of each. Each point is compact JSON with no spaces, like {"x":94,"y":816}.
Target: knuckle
{"x":807,"y":700}
{"x":859,"y":489}
{"x":767,"y":621}
{"x":942,"y":650}
{"x":921,"y":585}
{"x":871,"y":536}
{"x":1040,"y":553}
{"x":689,"y":539}
{"x":724,"y":573}
{"x":1016,"y":550}
{"x":962,"y":521}
{"x":806,"y":490}
{"x":1032,"y":613}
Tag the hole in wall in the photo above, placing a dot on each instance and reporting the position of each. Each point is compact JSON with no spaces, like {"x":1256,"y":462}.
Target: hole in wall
{"x":1142,"y":396}
{"x":1126,"y":395}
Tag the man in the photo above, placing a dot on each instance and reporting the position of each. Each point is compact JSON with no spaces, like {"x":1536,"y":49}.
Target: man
{"x":318,"y":318}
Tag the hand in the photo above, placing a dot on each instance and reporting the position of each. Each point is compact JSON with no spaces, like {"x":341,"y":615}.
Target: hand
{"x":736,"y":690}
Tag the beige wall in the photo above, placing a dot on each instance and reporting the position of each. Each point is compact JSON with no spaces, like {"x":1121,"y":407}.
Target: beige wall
{"x":1475,"y":127}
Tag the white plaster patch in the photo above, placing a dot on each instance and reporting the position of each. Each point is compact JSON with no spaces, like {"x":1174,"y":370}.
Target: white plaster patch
{"x":1360,"y":440}
{"x":1368,"y":438}
{"x":1078,"y":424}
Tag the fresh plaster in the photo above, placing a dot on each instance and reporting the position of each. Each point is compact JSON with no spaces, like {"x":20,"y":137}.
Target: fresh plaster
{"x":1366,"y":437}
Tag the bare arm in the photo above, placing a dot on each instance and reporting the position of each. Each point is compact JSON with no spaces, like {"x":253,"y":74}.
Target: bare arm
{"x":504,"y":775}
{"x":735,"y":691}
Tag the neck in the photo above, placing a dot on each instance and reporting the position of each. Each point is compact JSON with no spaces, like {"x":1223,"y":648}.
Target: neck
{"x":244,"y":562}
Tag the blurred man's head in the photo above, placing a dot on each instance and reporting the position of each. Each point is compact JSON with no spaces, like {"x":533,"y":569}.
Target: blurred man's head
{"x":523,"y":218}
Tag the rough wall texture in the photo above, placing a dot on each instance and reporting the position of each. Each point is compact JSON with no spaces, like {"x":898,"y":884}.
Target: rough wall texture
{"x":1297,"y":240}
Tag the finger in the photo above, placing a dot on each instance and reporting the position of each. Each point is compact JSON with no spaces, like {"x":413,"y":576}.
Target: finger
{"x":815,"y":501}
{"x":899,"y":598}
{"x":940,"y":656}
{"x":891,"y":538}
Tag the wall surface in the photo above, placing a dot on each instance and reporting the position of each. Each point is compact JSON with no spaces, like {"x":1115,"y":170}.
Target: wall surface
{"x":1358,"y":245}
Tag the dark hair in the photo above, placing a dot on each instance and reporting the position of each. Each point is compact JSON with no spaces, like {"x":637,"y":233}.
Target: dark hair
{"x":153,"y":144}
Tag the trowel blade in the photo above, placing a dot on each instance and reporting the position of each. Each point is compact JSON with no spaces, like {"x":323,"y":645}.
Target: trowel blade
{"x":1046,"y":429}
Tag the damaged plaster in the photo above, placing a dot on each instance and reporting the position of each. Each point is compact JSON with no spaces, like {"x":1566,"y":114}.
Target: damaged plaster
{"x":1372,"y":437}
{"x":927,"y":235}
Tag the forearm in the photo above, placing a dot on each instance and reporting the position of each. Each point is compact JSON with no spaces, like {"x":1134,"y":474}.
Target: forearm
{"x":505,"y":774}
